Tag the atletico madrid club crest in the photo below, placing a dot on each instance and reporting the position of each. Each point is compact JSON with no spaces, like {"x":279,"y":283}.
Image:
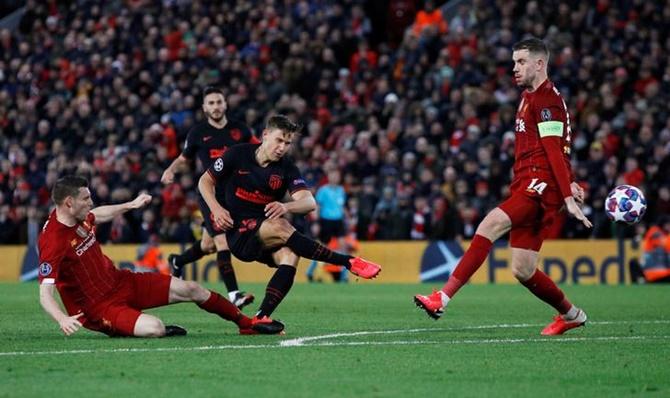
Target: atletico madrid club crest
{"x":275,"y":182}
{"x":235,"y":134}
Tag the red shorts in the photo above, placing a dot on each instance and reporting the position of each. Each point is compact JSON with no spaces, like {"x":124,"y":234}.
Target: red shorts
{"x":117,"y":315}
{"x":531,"y":220}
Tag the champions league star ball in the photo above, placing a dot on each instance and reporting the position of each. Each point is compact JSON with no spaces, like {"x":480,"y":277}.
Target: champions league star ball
{"x":625,"y":204}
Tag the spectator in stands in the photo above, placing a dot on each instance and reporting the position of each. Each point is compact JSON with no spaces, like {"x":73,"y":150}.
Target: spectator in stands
{"x":430,"y":18}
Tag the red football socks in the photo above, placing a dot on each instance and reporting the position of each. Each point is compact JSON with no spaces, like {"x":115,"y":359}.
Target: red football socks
{"x":546,"y":290}
{"x":469,"y":264}
{"x":225,"y":309}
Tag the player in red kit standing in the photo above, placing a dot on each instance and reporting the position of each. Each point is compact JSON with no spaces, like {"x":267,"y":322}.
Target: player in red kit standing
{"x":208,"y":141}
{"x":96,"y":294}
{"x":541,"y":187}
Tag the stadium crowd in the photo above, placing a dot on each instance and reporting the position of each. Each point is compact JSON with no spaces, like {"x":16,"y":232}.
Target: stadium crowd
{"x":416,"y":109}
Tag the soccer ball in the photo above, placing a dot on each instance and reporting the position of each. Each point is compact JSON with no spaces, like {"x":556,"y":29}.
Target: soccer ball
{"x":625,"y":204}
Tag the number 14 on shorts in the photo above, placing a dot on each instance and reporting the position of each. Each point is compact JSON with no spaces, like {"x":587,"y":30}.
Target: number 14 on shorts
{"x":536,"y":186}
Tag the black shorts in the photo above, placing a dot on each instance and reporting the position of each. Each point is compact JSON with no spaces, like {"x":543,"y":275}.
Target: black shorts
{"x":245,"y":245}
{"x":207,"y":222}
{"x":329,"y":229}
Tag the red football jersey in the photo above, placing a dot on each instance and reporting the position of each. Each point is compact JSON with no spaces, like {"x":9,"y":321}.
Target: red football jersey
{"x":71,"y":258}
{"x":542,"y":146}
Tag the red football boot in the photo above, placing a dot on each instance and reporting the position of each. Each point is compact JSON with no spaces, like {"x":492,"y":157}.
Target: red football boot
{"x":560,"y":325}
{"x":364,"y":268}
{"x":263,"y":325}
{"x":432,"y":304}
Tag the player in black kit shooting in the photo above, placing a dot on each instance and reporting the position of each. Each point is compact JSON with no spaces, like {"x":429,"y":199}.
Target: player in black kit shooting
{"x":254,"y":178}
{"x":208,"y":141}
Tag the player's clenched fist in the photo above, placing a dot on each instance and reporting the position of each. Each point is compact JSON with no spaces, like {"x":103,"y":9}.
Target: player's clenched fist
{"x":140,"y":201}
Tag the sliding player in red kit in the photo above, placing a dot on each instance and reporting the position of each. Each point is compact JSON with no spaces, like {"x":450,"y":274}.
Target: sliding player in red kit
{"x":541,"y":187}
{"x":96,"y":294}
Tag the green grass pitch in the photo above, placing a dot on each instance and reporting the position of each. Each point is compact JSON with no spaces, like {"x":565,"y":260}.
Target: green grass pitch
{"x":356,"y":340}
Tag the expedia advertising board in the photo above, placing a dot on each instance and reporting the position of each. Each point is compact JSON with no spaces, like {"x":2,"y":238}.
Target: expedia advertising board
{"x":565,"y":261}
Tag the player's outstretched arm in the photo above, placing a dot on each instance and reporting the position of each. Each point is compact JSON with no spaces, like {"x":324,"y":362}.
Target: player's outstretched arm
{"x":68,"y":324}
{"x":107,"y":213}
{"x":176,"y":165}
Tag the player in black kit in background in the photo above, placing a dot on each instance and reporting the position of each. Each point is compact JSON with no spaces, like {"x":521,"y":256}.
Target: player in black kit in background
{"x":254,"y":178}
{"x":208,"y":141}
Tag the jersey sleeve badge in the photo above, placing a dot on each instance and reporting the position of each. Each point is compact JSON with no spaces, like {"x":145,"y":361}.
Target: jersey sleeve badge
{"x":45,"y":269}
{"x":218,"y":164}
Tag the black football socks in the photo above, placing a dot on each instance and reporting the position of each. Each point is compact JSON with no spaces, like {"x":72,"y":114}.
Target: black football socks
{"x":226,"y":270}
{"x":277,"y":288}
{"x":190,"y":255}
{"x":309,"y":248}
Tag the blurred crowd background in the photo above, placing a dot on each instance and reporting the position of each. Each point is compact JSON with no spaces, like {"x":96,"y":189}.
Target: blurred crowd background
{"x":412,"y":101}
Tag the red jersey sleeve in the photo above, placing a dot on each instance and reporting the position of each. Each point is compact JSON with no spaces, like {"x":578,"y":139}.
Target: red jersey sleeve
{"x":554,"y":129}
{"x":51,"y":257}
{"x":552,"y":146}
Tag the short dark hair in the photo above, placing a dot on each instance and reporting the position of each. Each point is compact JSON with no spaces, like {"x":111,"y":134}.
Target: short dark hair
{"x":533,"y":45}
{"x":211,"y":90}
{"x":283,"y":123}
{"x":67,"y":186}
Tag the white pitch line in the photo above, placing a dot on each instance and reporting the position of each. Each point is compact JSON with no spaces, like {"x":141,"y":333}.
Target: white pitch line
{"x":488,"y":341}
{"x":133,"y":350}
{"x":302,"y":340}
{"x":313,"y":341}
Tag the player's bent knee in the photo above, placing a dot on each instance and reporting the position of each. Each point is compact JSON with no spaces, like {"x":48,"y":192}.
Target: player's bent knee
{"x":494,"y":225}
{"x":220,"y":243}
{"x":279,"y":229}
{"x":522,"y":273}
{"x":284,"y":229}
{"x":149,"y":326}
{"x":193,"y":290}
{"x":285,"y":256}
{"x":208,"y":248}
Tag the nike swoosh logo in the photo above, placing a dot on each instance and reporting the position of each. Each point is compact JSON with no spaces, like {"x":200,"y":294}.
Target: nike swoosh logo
{"x":243,"y":172}
{"x":207,"y":138}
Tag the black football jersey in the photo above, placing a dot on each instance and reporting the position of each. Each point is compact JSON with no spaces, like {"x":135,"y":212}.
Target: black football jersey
{"x":209,"y":143}
{"x":247,"y":187}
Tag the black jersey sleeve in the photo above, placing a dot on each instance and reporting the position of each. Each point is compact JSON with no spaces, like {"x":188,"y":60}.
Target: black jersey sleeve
{"x":191,"y":146}
{"x":223,"y":166}
{"x":294,"y":180}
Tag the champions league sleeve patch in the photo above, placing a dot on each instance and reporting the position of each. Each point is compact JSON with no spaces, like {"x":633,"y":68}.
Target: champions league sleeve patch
{"x":45,"y":269}
{"x":545,"y":114}
{"x":218,"y":164}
